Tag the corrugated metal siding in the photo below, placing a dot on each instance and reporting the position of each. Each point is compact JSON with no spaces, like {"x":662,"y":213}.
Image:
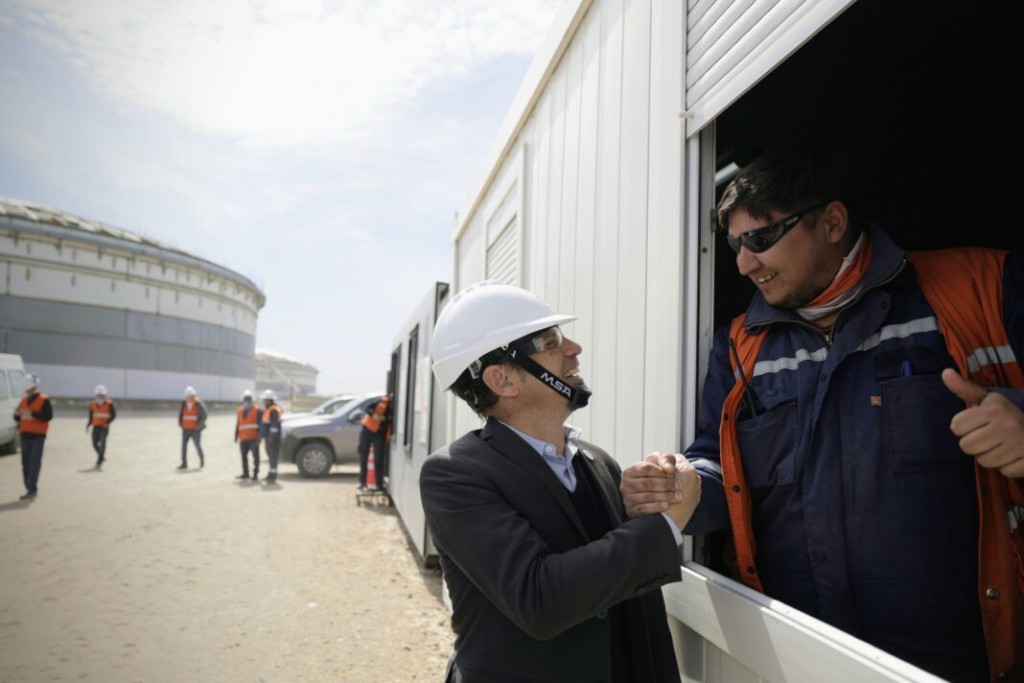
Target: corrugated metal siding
{"x":732,"y":44}
{"x":503,"y":256}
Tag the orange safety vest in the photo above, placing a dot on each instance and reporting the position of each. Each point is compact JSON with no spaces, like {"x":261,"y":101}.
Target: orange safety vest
{"x":100,"y":414}
{"x":248,"y":425}
{"x":190,"y":416}
{"x":965,"y":289}
{"x":272,"y":408}
{"x":30,"y":425}
{"x":372,"y":421}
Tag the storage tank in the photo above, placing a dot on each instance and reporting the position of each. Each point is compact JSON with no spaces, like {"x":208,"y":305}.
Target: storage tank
{"x":289,"y":377}
{"x":86,"y":303}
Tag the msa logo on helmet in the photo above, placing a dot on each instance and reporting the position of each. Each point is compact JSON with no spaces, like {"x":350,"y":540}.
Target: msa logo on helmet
{"x":556,"y":384}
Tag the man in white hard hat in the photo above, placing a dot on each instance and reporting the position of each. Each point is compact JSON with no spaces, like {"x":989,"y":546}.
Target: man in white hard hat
{"x":247,"y":435}
{"x":270,"y":429}
{"x":192,"y":419}
{"x":33,"y":417}
{"x":547,"y":579}
{"x":101,"y":413}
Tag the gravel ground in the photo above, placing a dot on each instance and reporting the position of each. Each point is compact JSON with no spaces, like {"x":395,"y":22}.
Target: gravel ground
{"x":144,"y":573}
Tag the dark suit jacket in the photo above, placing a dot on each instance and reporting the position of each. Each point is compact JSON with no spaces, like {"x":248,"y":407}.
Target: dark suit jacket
{"x":530,"y":591}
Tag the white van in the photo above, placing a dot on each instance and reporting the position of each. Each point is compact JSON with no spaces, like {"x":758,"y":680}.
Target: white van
{"x":12,"y":369}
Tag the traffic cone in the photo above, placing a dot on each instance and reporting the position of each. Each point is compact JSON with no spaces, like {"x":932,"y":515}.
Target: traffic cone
{"x":371,"y":471}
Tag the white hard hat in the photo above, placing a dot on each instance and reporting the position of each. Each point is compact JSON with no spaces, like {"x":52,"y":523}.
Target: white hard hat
{"x":189,"y":391}
{"x":246,"y":394}
{"x":269,"y":393}
{"x":100,"y":390}
{"x":481,"y":318}
{"x":30,"y":381}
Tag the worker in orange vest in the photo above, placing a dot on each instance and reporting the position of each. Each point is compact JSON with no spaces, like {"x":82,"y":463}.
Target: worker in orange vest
{"x":270,"y":428}
{"x":101,"y":413}
{"x":247,"y":435}
{"x":33,"y":417}
{"x":374,"y":432}
{"x":192,"y":419}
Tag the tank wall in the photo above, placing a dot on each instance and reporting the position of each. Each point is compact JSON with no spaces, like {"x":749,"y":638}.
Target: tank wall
{"x":81,"y":307}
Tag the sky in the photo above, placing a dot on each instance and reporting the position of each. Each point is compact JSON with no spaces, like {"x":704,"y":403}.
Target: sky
{"x":320,"y":148}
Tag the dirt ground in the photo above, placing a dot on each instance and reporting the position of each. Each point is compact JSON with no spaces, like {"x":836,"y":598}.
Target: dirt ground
{"x":145,"y":573}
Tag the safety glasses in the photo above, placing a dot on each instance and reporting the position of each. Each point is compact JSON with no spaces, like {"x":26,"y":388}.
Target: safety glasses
{"x":545,"y":340}
{"x":548,"y":340}
{"x":761,"y":239}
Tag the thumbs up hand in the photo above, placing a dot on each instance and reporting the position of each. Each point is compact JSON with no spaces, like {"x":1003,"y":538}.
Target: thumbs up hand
{"x":991,"y":428}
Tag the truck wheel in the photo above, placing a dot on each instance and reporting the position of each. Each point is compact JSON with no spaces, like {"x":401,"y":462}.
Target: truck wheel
{"x":314,"y":460}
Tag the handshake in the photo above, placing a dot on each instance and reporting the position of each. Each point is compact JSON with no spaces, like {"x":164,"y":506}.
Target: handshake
{"x":661,"y":483}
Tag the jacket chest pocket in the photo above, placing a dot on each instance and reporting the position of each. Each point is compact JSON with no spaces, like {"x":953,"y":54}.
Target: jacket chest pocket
{"x":768,"y":442}
{"x":916,"y":412}
{"x":917,"y":409}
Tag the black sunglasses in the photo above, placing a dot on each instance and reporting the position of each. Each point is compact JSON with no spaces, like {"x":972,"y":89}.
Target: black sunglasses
{"x":760,"y":239}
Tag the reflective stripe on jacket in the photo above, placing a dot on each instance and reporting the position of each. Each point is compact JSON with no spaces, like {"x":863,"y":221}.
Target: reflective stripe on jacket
{"x":29,"y":424}
{"x":100,"y":414}
{"x":248,"y":425}
{"x":964,"y":287}
{"x":189,"y":415}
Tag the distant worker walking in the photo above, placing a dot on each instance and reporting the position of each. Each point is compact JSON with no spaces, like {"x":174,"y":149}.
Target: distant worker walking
{"x":270,"y":429}
{"x":192,"y":419}
{"x":33,"y":417}
{"x":101,"y":413}
{"x":247,"y":435}
{"x":374,"y":434}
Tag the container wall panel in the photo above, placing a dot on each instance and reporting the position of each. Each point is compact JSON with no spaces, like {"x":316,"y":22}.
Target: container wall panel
{"x":632,"y":233}
{"x":603,"y":365}
{"x":565,"y":227}
{"x":665,"y":270}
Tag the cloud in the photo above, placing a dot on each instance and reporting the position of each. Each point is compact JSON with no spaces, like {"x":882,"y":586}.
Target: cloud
{"x":282,"y":73}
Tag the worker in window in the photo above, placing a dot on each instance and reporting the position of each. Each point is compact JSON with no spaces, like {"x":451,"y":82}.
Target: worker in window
{"x":834,"y":439}
{"x":547,"y":579}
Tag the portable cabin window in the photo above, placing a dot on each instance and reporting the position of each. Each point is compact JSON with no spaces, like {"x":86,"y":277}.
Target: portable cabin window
{"x":410,"y":384}
{"x":392,"y":383}
{"x":923,"y":92}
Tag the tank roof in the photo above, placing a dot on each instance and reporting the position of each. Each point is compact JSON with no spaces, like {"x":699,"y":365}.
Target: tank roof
{"x":18,"y":209}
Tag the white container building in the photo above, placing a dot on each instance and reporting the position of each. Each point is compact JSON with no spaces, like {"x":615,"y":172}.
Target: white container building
{"x":420,"y":416}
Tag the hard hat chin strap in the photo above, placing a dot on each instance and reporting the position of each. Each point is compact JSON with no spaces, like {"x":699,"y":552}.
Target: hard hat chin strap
{"x":577,"y":397}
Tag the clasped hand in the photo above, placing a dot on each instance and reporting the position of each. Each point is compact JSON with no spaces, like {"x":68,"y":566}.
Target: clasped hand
{"x":661,"y":483}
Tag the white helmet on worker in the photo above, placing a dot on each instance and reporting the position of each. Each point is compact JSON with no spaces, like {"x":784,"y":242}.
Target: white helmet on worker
{"x":30,"y":381}
{"x":100,"y":390}
{"x":488,"y":316}
{"x":190,"y":391}
{"x":268,"y":395}
{"x":247,"y":394}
